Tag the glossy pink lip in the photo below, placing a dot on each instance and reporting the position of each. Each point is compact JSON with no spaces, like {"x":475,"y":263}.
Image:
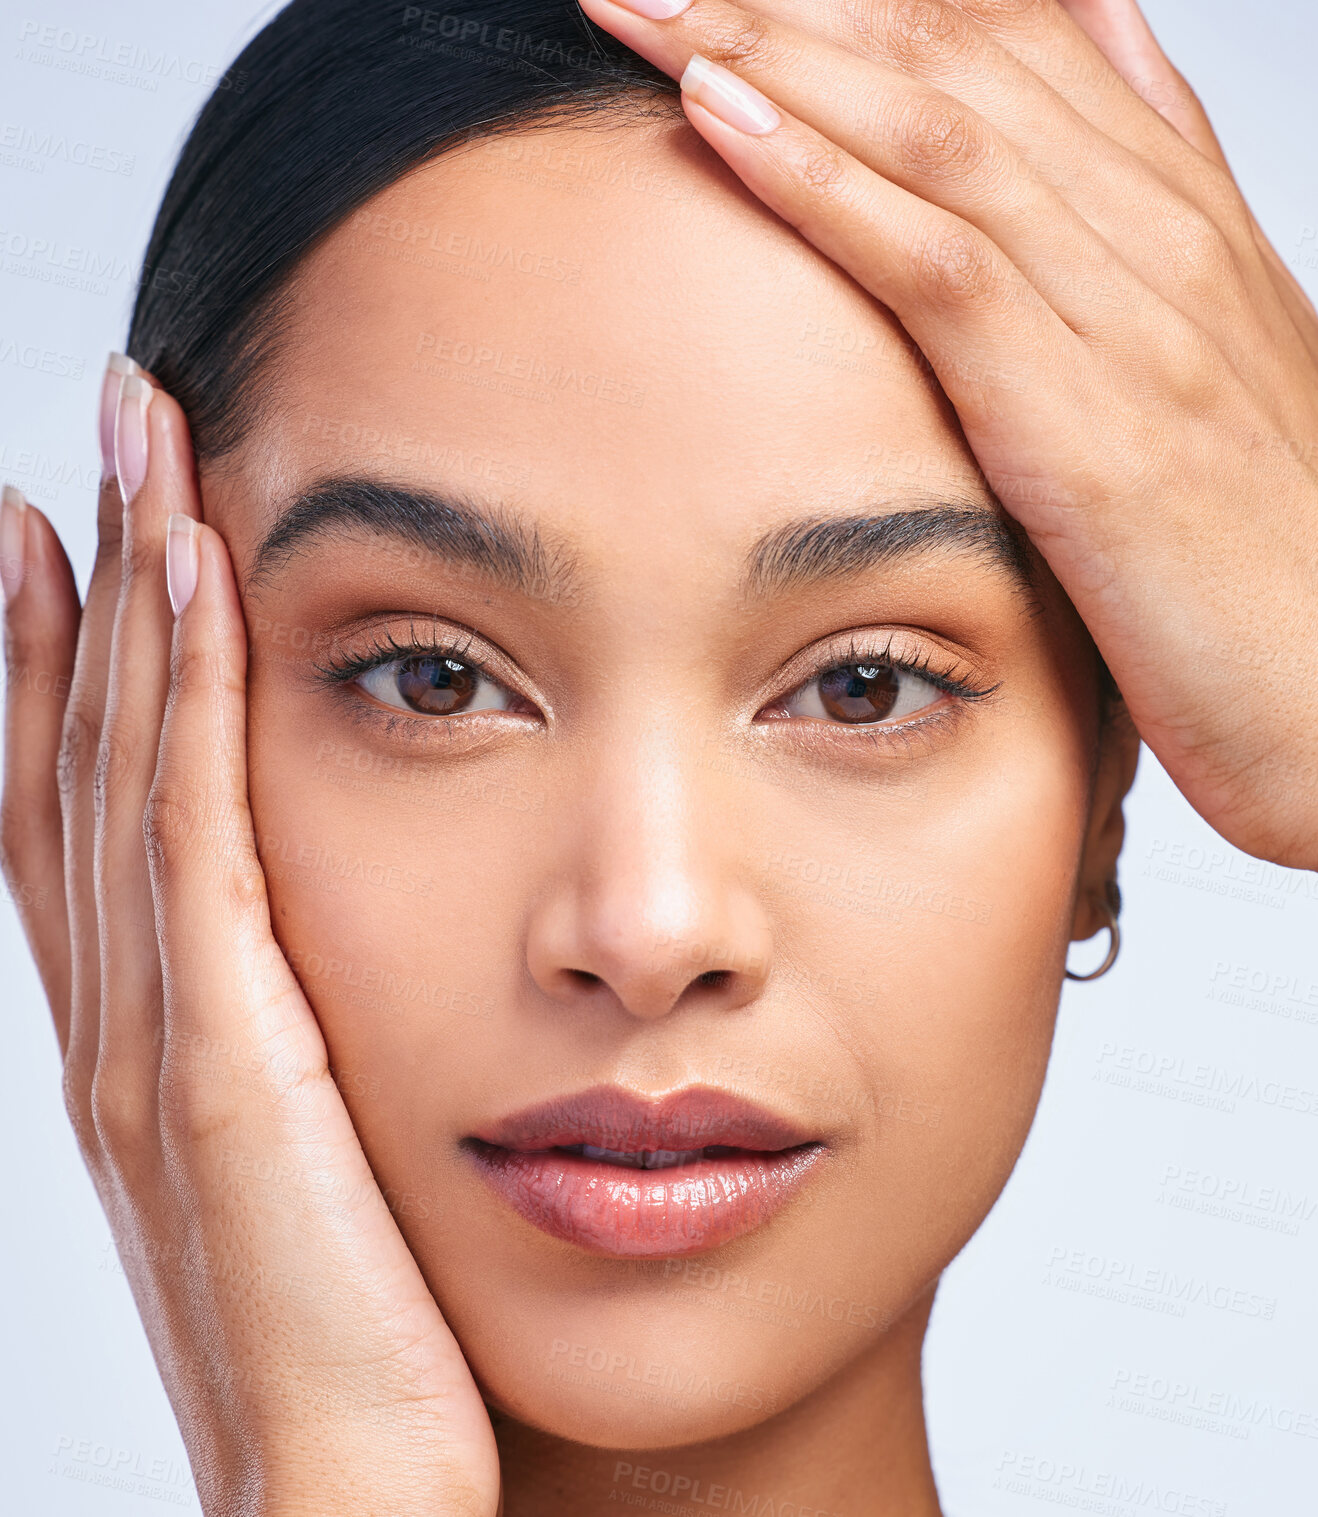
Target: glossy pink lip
{"x":627,"y":1212}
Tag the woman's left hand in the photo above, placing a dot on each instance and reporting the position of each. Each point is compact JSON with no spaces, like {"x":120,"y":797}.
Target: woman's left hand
{"x":1132,"y":364}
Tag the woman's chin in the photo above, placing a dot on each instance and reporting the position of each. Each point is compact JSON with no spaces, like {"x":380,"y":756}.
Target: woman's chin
{"x":643,"y":1375}
{"x":605,"y":1412}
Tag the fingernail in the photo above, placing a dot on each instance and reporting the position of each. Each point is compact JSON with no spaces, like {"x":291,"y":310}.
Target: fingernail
{"x":130,"y":434}
{"x":182,"y":559}
{"x":655,"y":10}
{"x":731,"y":99}
{"x":116,"y":367}
{"x":13,"y":540}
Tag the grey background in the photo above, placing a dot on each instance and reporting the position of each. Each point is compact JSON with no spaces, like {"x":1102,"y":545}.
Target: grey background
{"x":1089,"y":1349}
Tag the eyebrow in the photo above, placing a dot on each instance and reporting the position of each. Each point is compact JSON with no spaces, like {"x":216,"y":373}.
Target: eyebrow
{"x":822,"y":547}
{"x":500,"y":545}
{"x":493,"y":541}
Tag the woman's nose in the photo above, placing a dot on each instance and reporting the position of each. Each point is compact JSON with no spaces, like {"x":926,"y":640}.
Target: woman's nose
{"x":647,"y":904}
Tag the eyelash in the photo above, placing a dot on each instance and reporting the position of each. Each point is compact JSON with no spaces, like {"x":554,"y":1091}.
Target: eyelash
{"x":941,"y":678}
{"x":340,"y":670}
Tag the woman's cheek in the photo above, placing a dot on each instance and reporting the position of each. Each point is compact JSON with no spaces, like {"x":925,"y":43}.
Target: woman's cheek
{"x":388,"y":881}
{"x":919,"y":931}
{"x":934,"y":926}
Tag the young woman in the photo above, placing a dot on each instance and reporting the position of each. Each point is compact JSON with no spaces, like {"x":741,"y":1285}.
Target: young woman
{"x":567,"y":875}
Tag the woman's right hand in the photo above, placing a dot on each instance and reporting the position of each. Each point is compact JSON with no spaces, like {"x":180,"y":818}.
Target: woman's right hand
{"x":307,"y":1362}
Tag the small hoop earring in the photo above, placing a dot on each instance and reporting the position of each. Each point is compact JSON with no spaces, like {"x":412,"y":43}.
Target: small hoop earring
{"x":1113,"y":947}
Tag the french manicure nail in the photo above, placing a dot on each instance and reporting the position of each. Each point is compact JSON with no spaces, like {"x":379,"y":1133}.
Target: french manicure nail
{"x":130,"y":434}
{"x":655,"y":10}
{"x":117,"y":366}
{"x":13,"y":540}
{"x":731,"y":99}
{"x":182,"y":559}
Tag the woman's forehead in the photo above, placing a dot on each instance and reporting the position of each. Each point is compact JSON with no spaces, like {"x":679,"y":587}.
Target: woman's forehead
{"x":596,"y":315}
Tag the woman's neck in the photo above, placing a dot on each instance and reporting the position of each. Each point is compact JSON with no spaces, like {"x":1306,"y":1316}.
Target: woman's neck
{"x":855,"y":1447}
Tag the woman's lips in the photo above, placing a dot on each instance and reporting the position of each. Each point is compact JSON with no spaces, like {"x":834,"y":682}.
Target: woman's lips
{"x":678,"y":1175}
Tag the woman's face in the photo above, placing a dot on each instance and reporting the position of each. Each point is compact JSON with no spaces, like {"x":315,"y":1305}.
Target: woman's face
{"x":707,"y":736}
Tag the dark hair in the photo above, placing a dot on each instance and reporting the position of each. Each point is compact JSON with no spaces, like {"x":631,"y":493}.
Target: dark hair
{"x":331,"y":102}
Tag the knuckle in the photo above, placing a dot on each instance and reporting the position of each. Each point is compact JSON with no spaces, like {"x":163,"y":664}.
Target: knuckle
{"x":1194,"y":380}
{"x":177,"y":813}
{"x":463,"y":1499}
{"x":195,"y":1106}
{"x":119,"y":1116}
{"x":20,"y":644}
{"x":245,"y":884}
{"x":108,"y":561}
{"x":1201,"y":249}
{"x":76,"y":1093}
{"x":1220,"y":196}
{"x":953,"y":262}
{"x":924,"y":32}
{"x":939,"y":137}
{"x":743,"y":41}
{"x":862,"y":21}
{"x":170,"y":815}
{"x":80,"y":737}
{"x":138,"y":557}
{"x":201,"y":670}
{"x":822,"y":167}
{"x":116,"y":757}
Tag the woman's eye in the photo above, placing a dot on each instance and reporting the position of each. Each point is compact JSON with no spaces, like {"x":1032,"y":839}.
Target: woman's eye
{"x":432,"y":685}
{"x":860,"y":693}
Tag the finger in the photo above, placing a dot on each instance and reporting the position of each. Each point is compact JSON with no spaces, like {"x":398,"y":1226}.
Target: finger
{"x":1034,"y":75}
{"x":117,"y":368}
{"x":226,"y":981}
{"x":41,"y":633}
{"x":1074,"y":47}
{"x":985,"y":330}
{"x":927,"y":142}
{"x":128,"y":1050}
{"x":1120,"y":30}
{"x":76,"y":769}
{"x":1299,"y":308}
{"x":1018,"y":62}
{"x":1121,"y":33}
{"x":1087,"y":248}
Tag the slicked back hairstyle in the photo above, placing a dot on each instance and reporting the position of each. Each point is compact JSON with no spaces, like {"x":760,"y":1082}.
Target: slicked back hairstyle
{"x":330,"y":103}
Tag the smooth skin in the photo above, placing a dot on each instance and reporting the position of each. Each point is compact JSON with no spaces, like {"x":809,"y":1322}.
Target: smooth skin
{"x":984,"y":170}
{"x":243,"y":1140}
{"x":296,"y":1321}
{"x":307,"y":1362}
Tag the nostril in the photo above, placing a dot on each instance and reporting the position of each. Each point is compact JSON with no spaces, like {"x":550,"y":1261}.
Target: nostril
{"x":584,"y":977}
{"x":713,"y":977}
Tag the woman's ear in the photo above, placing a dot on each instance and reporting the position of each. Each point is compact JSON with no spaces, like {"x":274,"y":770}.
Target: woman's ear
{"x":1118,"y":755}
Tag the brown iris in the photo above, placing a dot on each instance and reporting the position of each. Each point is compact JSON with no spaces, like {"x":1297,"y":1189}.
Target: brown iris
{"x":859,"y":692}
{"x":437,"y":686}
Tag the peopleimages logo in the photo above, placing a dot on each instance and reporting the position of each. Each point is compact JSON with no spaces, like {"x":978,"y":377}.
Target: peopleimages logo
{"x":320,"y":859}
{"x":43,"y":146}
{"x":651,"y":1372}
{"x":691,"y":1492}
{"x":1187,"y":1401}
{"x":1064,"y":1482}
{"x":481,"y":360}
{"x":785,"y":1297}
{"x":1124,"y":1281}
{"x":1157,"y":1073}
{"x":1239,"y":1192}
{"x":81,"y":50}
